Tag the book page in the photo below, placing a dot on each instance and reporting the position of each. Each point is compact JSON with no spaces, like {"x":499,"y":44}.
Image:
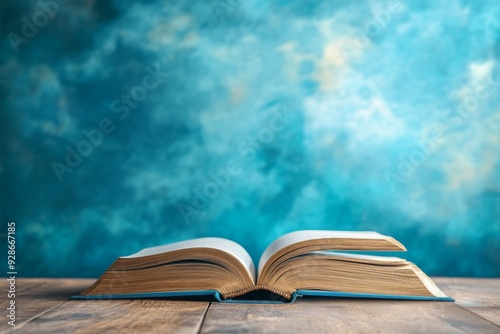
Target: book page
{"x":225,"y":245}
{"x":361,"y":258}
{"x":300,"y":236}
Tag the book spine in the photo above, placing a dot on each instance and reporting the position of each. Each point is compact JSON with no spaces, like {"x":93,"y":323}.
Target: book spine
{"x":226,"y":295}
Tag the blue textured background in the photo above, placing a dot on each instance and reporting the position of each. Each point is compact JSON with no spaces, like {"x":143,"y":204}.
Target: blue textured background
{"x":351,"y":115}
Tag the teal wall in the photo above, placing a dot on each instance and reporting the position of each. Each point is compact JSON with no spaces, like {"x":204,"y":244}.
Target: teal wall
{"x":133,"y":124}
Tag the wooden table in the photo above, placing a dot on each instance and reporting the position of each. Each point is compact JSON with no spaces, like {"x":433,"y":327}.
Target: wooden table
{"x":42,"y":306}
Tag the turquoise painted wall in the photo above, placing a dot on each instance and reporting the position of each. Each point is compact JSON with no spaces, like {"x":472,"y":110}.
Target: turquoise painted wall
{"x":127,"y":125}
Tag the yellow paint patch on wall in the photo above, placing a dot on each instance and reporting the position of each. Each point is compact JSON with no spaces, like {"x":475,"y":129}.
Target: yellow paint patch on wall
{"x":238,"y":93}
{"x":190,"y":40}
{"x":329,"y":67}
{"x":165,"y":33}
{"x":463,"y":169}
{"x":292,"y":60}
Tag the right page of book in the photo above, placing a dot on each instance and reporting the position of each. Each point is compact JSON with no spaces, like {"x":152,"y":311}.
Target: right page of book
{"x":305,"y":235}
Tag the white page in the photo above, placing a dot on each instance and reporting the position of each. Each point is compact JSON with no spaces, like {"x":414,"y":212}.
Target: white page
{"x":299,"y":236}
{"x":363,"y":258}
{"x":222,"y":244}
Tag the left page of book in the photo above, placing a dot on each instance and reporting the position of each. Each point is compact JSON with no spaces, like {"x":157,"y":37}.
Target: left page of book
{"x":225,"y":245}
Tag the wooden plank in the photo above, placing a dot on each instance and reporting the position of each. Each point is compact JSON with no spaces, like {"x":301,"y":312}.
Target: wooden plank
{"x":323,"y":315}
{"x":35,"y":296}
{"x":120,"y":316}
{"x":42,"y":306}
{"x":479,"y":295}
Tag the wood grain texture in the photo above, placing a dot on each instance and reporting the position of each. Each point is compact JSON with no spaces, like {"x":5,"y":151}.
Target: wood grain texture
{"x":43,"y":307}
{"x":36,"y":296}
{"x":479,"y":295}
{"x":121,"y":316}
{"x":321,"y":315}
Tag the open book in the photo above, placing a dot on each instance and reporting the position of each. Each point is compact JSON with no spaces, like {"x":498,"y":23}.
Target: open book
{"x":296,"y":264}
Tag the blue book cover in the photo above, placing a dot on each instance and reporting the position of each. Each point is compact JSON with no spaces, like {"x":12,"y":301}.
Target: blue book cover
{"x":214,"y":295}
